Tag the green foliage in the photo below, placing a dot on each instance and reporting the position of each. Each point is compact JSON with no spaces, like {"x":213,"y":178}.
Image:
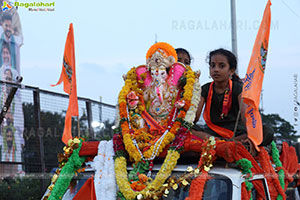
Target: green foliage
{"x":139,"y":168}
{"x":275,"y":157}
{"x":52,"y":127}
{"x":66,"y":174}
{"x":246,"y":166}
{"x":21,"y":188}
{"x":282,"y":128}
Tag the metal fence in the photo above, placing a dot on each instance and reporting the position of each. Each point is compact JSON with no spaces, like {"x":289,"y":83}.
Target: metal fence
{"x":37,"y":124}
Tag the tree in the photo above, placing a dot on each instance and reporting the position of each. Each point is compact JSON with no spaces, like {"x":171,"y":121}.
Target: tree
{"x":284,"y":131}
{"x":52,"y":126}
{"x":19,"y":188}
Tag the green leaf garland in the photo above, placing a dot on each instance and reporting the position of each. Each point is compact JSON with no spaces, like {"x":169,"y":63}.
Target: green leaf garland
{"x":66,"y":174}
{"x":275,"y":156}
{"x":246,"y":166}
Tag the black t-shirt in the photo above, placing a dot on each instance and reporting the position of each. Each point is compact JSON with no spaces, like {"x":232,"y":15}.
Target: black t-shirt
{"x":228,"y":121}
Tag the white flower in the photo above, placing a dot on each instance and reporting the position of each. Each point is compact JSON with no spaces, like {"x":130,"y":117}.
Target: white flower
{"x":139,"y":196}
{"x":117,"y":120}
{"x":104,"y":180}
{"x":191,"y":113}
{"x":189,"y":169}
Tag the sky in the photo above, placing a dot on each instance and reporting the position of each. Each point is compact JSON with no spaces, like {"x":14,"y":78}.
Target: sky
{"x":113,"y":36}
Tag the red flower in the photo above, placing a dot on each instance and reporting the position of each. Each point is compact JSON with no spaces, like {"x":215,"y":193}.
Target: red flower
{"x":118,"y":143}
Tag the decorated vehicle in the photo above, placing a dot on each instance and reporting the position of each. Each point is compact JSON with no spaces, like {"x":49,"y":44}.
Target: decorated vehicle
{"x":155,"y":114}
{"x":225,"y":180}
{"x":224,"y":183}
{"x":156,"y":109}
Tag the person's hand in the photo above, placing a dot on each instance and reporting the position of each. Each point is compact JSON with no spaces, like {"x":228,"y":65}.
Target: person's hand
{"x":249,"y":146}
{"x":240,"y":138}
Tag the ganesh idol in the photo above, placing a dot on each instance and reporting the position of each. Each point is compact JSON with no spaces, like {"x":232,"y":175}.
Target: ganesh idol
{"x":157,"y":107}
{"x":160,"y":83}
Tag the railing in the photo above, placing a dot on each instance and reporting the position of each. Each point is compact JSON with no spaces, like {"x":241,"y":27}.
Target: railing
{"x":36,"y":118}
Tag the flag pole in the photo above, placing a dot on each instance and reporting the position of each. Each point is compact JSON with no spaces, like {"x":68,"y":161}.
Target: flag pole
{"x":78,"y":126}
{"x":238,"y":118}
{"x":68,"y":78}
{"x":233,"y":27}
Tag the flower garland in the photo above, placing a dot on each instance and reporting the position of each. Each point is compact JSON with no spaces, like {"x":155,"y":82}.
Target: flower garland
{"x":149,"y":192}
{"x":275,"y":157}
{"x":191,"y":113}
{"x":117,"y":117}
{"x":205,"y":163}
{"x":156,"y":189}
{"x":208,"y":155}
{"x":246,"y":166}
{"x":131,"y":84}
{"x":103,"y":163}
{"x":272,"y":178}
{"x":153,"y":189}
{"x":167,"y":49}
{"x":62,"y":178}
{"x":118,"y":145}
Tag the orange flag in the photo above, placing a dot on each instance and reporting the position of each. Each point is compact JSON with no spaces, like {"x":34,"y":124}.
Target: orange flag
{"x":87,"y":191}
{"x":254,"y":78}
{"x":68,"y":77}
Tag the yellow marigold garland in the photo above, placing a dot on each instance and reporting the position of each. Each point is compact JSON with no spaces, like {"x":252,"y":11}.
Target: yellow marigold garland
{"x":164,"y":172}
{"x":131,"y":84}
{"x":188,"y":88}
{"x":172,"y":156}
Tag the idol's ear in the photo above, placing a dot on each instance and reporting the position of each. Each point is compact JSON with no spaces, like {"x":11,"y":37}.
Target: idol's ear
{"x":177,"y":70}
{"x":143,"y":74}
{"x":171,"y":60}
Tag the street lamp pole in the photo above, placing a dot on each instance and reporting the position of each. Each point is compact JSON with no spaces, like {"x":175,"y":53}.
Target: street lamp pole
{"x":233,"y":27}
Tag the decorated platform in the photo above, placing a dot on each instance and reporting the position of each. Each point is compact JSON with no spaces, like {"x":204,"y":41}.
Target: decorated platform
{"x":157,"y":106}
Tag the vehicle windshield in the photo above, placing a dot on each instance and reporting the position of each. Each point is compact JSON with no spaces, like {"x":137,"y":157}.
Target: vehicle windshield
{"x":217,"y":188}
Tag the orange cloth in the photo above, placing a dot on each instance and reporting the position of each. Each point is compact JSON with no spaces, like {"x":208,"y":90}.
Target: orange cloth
{"x":225,"y":133}
{"x":245,"y":193}
{"x":68,"y":77}
{"x":197,"y":186}
{"x":89,"y":148}
{"x":192,"y":143}
{"x":233,"y":151}
{"x":87,"y":191}
{"x":271,"y":176}
{"x":154,"y":126}
{"x":260,"y":189}
{"x":254,"y":78}
{"x":289,"y":162}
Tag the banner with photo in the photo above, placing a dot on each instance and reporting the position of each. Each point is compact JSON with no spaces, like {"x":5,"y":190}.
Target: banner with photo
{"x":12,"y":127}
